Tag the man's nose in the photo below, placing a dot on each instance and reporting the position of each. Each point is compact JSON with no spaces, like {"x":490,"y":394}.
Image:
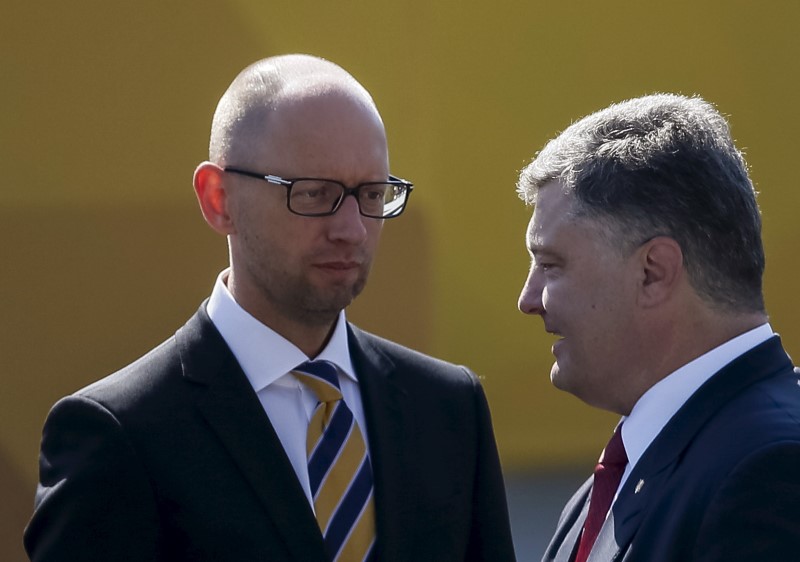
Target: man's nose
{"x":530,"y":299}
{"x":347,"y":223}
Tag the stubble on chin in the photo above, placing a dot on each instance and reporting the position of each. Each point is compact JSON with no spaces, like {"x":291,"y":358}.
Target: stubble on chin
{"x":320,"y":307}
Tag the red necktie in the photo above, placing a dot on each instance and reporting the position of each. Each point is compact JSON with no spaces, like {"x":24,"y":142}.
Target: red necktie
{"x":607,"y":475}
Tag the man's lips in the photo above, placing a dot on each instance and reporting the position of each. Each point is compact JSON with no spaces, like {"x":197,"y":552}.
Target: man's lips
{"x":344,"y":269}
{"x":338,"y":265}
{"x":552,"y":331}
{"x":558,"y":342}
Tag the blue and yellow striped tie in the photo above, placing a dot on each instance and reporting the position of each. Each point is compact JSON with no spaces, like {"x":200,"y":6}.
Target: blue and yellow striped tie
{"x":338,"y":469}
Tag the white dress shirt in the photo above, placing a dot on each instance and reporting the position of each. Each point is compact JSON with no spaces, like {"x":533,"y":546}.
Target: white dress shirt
{"x":657,"y":406}
{"x":267,"y":358}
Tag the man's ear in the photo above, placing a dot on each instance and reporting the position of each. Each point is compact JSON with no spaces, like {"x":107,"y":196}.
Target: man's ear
{"x":661,"y":261}
{"x":213,"y":197}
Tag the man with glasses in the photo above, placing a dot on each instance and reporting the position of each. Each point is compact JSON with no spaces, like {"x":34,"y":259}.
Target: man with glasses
{"x":268,"y":427}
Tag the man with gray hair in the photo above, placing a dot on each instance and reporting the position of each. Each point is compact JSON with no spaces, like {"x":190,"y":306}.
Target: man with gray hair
{"x":268,"y":427}
{"x":647,"y":264}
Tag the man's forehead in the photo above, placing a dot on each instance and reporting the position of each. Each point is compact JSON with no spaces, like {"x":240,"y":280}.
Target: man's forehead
{"x":553,"y":211}
{"x":533,"y":234}
{"x":306,"y":116}
{"x":552,"y":201}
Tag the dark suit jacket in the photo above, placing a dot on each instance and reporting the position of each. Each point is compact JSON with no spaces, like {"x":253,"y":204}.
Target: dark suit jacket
{"x":173,"y":458}
{"x":720,"y":482}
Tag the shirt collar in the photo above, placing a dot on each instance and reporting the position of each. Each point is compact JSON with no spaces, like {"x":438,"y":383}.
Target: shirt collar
{"x":264,"y":355}
{"x":657,"y":406}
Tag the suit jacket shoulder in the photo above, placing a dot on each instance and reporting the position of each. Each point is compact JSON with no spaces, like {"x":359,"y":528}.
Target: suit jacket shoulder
{"x":438,"y":485}
{"x":393,"y":356}
{"x":171,"y":458}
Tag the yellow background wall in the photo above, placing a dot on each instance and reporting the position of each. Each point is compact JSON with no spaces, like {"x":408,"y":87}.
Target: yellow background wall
{"x":105,"y":112}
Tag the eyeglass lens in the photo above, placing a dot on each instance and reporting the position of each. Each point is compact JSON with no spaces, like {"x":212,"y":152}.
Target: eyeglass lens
{"x":313,"y":197}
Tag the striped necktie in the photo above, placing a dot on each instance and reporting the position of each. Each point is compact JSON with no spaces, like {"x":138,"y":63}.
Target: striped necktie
{"x":339,"y":470}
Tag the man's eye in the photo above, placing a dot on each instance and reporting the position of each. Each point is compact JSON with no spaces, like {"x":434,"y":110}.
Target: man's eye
{"x":310,"y":190}
{"x":373,"y":193}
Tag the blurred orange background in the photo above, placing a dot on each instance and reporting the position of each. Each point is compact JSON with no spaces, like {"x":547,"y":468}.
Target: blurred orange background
{"x":106,"y":108}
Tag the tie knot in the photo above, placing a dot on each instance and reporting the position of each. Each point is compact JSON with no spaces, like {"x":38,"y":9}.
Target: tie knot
{"x":614,"y":453}
{"x":322,"y":378}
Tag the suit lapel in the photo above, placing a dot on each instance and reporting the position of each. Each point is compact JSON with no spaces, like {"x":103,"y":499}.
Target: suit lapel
{"x":235,"y":414}
{"x":565,"y":541}
{"x":605,"y":547}
{"x":391,"y":429}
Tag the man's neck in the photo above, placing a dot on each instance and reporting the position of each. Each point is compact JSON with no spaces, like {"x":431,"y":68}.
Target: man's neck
{"x":676,"y":344}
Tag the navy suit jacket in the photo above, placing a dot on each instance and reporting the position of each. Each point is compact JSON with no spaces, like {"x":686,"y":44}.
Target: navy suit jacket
{"x":720,"y":482}
{"x":173,"y":458}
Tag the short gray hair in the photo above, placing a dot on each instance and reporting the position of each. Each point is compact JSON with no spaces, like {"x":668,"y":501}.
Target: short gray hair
{"x":664,"y":165}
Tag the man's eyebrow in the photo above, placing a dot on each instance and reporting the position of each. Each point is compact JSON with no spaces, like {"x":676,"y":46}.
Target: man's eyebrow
{"x":534,"y":244}
{"x":538,"y":250}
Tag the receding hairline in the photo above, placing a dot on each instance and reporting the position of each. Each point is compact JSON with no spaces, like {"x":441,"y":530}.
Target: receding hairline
{"x":262,"y":86}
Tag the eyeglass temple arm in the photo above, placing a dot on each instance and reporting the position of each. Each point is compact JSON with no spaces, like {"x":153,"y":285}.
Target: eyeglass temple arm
{"x":401,"y":180}
{"x":269,"y":177}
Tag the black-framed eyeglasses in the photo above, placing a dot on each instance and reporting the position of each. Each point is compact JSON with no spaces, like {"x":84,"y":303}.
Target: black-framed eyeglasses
{"x":319,"y":197}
